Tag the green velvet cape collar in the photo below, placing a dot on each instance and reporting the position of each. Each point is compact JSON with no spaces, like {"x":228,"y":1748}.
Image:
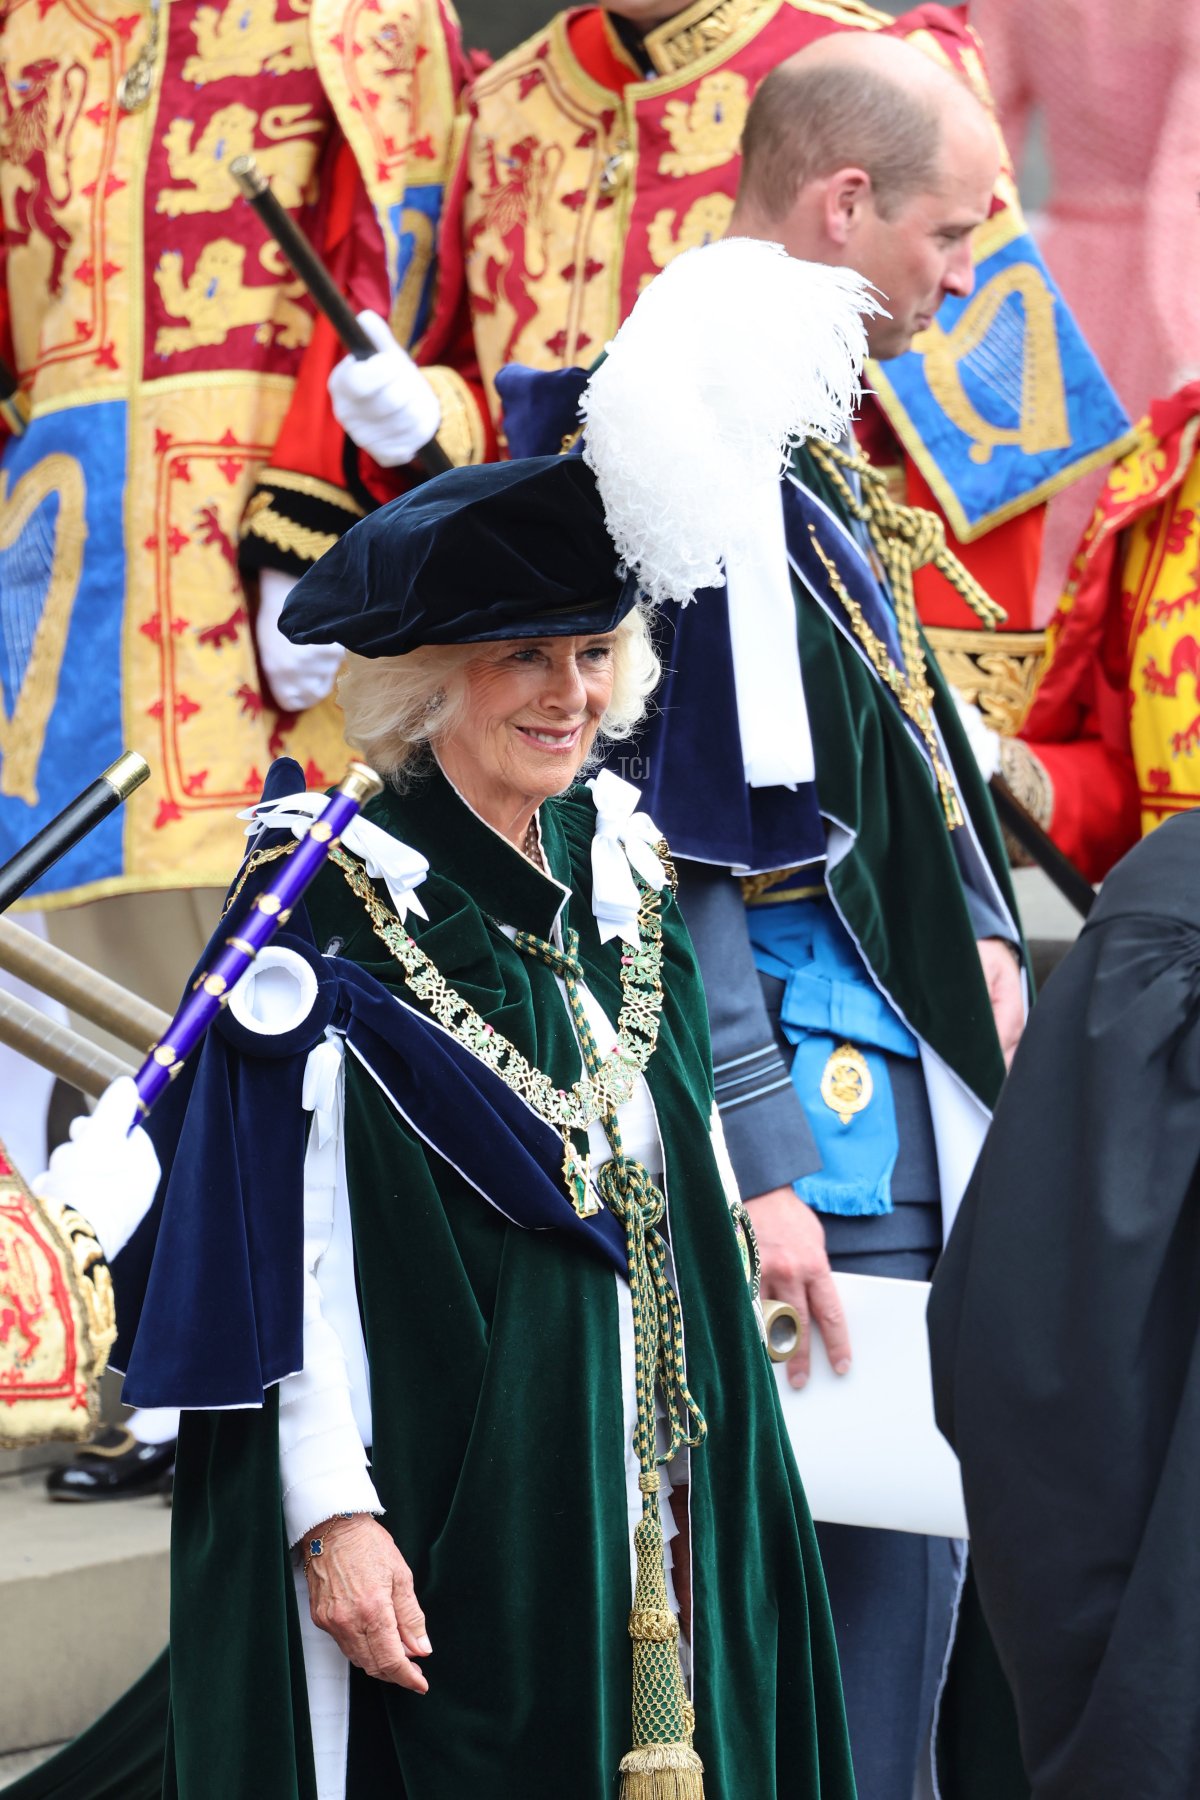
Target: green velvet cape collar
{"x":436,"y":819}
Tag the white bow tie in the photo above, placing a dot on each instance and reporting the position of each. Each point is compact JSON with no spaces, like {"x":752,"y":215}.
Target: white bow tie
{"x":623,"y":837}
{"x":385,"y":858}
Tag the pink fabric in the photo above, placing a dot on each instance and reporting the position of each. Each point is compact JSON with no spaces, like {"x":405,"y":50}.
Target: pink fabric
{"x":1117,"y":83}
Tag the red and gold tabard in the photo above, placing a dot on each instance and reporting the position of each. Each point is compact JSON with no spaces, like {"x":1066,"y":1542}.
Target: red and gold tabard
{"x":1115,"y":723}
{"x":157,"y":336}
{"x":583,"y":179}
{"x":57,"y":1317}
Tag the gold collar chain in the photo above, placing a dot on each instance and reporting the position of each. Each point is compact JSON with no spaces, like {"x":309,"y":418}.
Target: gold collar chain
{"x":593,"y":1096}
{"x":912,"y":690}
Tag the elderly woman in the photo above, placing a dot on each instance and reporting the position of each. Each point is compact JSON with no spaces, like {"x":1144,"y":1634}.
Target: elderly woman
{"x":409,"y":1571}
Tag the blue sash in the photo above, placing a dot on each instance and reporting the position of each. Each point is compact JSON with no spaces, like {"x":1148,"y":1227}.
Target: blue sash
{"x":830,"y":1002}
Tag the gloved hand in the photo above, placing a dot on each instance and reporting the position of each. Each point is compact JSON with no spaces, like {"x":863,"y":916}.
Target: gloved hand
{"x":106,"y":1172}
{"x":983,"y":740}
{"x":385,"y":405}
{"x":298,"y":674}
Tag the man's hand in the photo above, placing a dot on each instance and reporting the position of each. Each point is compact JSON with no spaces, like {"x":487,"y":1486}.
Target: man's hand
{"x":384,"y":404}
{"x":1002,"y":972}
{"x":360,"y":1591}
{"x":795,"y":1268}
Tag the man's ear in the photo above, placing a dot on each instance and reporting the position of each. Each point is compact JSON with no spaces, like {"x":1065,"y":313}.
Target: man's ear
{"x":847,"y":199}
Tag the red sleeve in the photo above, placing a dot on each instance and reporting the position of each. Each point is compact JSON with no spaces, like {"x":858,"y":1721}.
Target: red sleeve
{"x":1096,"y":816}
{"x":447,"y":350}
{"x":1004,"y":561}
{"x":304,"y":498}
{"x":1078,"y":723}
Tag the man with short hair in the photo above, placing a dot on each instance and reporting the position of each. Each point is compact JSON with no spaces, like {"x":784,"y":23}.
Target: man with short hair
{"x":855,"y":927}
{"x":842,"y":165}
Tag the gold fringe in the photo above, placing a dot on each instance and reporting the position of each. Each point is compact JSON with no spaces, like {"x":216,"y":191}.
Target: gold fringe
{"x":662,"y":1772}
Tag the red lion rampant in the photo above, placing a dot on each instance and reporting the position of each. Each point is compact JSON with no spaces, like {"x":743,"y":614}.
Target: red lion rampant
{"x":25,"y":142}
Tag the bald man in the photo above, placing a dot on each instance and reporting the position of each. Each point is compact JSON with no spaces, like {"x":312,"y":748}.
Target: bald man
{"x":856,"y":931}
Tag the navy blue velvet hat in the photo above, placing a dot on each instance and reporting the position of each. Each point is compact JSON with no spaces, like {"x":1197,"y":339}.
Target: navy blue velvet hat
{"x":500,"y":550}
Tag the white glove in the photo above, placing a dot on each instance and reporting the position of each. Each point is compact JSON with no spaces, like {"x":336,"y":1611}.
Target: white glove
{"x":298,"y":674}
{"x":106,"y":1172}
{"x":384,"y":404}
{"x":983,"y":740}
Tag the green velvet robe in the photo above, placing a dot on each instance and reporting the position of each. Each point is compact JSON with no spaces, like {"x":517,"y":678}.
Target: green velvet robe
{"x":499,"y":1452}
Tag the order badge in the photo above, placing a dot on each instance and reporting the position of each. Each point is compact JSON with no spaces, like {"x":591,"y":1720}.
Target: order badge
{"x":846,"y":1084}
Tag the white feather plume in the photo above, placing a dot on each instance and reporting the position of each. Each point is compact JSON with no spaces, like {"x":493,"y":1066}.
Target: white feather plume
{"x":733,"y":355}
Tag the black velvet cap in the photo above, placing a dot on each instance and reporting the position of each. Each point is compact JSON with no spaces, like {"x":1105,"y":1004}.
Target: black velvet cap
{"x":500,"y":550}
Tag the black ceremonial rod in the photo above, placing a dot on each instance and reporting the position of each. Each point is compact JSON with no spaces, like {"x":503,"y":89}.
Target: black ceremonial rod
{"x":1071,"y":882}
{"x":83,"y":814}
{"x":325,"y":292}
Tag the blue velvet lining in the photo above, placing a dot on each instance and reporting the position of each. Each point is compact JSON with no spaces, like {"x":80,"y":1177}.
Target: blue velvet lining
{"x":209,"y":1288}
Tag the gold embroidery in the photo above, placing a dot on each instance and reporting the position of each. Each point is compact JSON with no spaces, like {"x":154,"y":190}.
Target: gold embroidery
{"x":23,"y":735}
{"x":244,"y":38}
{"x":692,"y":33}
{"x":233,"y":131}
{"x":1016,"y":354}
{"x":57,"y":1291}
{"x":705,"y":221}
{"x":1029,"y":780}
{"x":262,"y":521}
{"x":845,"y":12}
{"x":707,"y":131}
{"x":461,"y":433}
{"x":215,"y":301}
{"x":293,"y":482}
{"x":996,"y":674}
{"x":755,"y":886}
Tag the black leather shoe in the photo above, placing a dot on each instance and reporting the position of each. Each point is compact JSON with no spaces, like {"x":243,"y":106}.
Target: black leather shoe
{"x":114,"y":1466}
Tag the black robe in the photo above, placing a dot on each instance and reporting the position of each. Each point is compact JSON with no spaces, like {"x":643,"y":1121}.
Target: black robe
{"x":1066,"y":1351}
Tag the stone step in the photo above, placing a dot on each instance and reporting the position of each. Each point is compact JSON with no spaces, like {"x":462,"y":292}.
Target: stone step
{"x":83,"y":1598}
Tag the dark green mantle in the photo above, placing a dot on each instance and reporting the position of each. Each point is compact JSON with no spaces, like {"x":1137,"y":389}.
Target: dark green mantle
{"x":899,"y":888}
{"x":499,"y":1448}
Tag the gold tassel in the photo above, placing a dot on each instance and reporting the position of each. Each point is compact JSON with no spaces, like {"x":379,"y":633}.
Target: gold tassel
{"x":662,"y":1772}
{"x":662,"y":1765}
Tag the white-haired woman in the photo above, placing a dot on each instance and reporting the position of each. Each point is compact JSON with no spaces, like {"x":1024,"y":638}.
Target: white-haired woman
{"x":533,"y":1384}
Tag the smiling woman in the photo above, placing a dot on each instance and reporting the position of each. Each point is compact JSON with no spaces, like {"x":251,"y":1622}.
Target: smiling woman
{"x":477,"y":1523}
{"x":400,"y":708}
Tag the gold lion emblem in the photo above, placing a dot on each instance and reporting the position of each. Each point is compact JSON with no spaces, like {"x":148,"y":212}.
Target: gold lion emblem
{"x":706,"y":220}
{"x":245,"y":38}
{"x":707,"y":131}
{"x":203,"y":166}
{"x":215,"y":301}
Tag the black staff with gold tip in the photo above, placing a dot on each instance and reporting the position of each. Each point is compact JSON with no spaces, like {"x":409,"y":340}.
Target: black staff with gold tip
{"x":84,"y":813}
{"x":1016,"y":819}
{"x":326,"y":294}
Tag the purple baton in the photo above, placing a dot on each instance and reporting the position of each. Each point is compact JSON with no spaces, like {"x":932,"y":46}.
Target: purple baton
{"x":270,"y":911}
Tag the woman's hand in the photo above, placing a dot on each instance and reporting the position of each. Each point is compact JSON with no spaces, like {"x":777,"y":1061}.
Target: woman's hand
{"x":360,"y":1591}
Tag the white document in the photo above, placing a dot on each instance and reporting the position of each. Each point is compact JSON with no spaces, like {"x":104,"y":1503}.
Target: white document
{"x":867,"y":1447}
